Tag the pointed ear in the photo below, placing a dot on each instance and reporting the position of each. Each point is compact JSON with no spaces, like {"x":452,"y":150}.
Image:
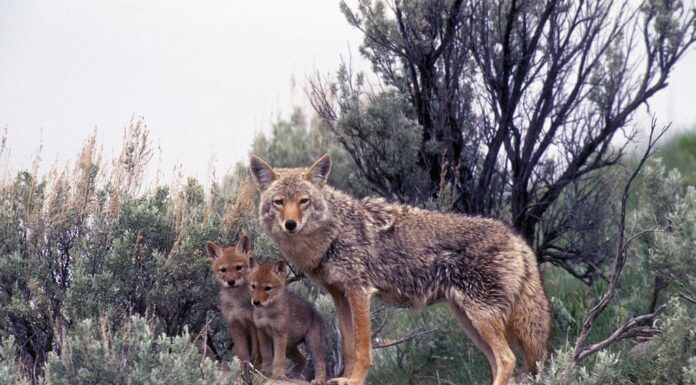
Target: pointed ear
{"x":263,"y":173}
{"x":252,"y":263}
{"x":244,"y":245}
{"x":281,"y":268}
{"x":213,"y":250}
{"x":319,"y":172}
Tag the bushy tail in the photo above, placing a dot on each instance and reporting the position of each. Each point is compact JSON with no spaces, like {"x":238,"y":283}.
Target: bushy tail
{"x":530,"y":322}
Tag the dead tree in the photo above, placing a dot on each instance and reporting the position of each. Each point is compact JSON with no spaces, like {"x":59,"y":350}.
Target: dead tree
{"x":521,"y":107}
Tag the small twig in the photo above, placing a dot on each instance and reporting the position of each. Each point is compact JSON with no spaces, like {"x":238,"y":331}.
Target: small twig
{"x":403,"y":339}
{"x":688,"y":296}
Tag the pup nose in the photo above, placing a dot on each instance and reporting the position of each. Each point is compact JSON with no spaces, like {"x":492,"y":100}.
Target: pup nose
{"x":290,"y":225}
{"x":256,"y":302}
{"x":231,"y":283}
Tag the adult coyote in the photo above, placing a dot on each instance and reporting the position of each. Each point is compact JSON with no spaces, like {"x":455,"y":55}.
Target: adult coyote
{"x":409,"y":257}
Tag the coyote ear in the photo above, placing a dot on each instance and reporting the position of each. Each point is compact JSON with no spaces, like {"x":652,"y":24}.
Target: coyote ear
{"x":213,"y":249}
{"x":252,"y":262}
{"x":319,"y":172}
{"x":244,"y":245}
{"x":281,"y":268}
{"x":262,"y":172}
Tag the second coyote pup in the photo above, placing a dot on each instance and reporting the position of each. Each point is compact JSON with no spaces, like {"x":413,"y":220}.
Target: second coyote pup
{"x":410,"y":257}
{"x":230,"y":265}
{"x":284,"y":321}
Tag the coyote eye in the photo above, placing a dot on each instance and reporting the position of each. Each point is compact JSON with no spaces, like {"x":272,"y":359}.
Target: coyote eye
{"x":304,"y":201}
{"x":278,"y":202}
{"x":223,"y":270}
{"x":239,"y":267}
{"x":268,"y":288}
{"x":253,"y":286}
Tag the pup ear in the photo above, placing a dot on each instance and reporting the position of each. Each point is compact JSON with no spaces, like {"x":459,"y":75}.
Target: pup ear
{"x":252,"y":263}
{"x":262,"y":172}
{"x":319,"y":172}
{"x":213,"y":250}
{"x":244,"y":245}
{"x":281,"y":268}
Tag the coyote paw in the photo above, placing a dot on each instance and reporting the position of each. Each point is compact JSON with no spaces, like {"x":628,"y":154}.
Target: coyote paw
{"x":318,"y":382}
{"x":340,"y":381}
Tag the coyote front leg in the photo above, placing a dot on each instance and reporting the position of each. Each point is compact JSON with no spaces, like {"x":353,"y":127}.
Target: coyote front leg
{"x":240,"y":339}
{"x":345,"y":324}
{"x":280,"y":346}
{"x":359,"y":303}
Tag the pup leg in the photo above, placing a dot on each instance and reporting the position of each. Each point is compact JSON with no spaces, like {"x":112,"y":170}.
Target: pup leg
{"x":280,"y":346}
{"x":255,"y":356}
{"x":239,"y":336}
{"x":316,"y":349}
{"x":266,"y":348}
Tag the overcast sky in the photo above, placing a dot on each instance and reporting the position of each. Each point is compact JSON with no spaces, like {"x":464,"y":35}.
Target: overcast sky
{"x":205,"y":75}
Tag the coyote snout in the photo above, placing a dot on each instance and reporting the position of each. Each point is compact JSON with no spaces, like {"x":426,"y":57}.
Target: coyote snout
{"x":289,"y":212}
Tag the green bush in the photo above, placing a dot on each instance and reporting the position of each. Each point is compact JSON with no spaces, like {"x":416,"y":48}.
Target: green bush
{"x":10,"y":374}
{"x":561,"y":369}
{"x":93,"y":353}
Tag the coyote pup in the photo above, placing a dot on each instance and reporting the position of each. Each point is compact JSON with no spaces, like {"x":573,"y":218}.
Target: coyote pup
{"x":230,"y":268}
{"x":409,"y":257}
{"x":283,"y":321}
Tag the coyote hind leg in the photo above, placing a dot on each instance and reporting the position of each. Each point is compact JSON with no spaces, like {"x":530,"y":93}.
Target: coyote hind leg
{"x":489,"y":337}
{"x":474,"y":336}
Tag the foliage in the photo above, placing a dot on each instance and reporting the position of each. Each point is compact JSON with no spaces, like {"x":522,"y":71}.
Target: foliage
{"x":679,"y":152}
{"x":298,"y":141}
{"x":562,"y":370}
{"x":88,"y":241}
{"x":9,"y":372}
{"x":93,"y":353}
{"x":667,"y":358}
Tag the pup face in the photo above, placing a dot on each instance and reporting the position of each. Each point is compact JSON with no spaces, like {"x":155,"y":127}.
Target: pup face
{"x":266,"y":282}
{"x":291,"y":199}
{"x":230,"y":264}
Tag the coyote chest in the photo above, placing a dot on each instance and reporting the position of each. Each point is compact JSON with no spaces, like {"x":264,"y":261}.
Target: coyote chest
{"x":235,"y":305}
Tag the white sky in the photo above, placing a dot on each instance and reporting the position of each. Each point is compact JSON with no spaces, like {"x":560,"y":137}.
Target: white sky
{"x":206,"y":75}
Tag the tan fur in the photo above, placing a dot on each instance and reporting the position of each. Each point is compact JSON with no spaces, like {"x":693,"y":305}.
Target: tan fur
{"x":409,"y":257}
{"x":230,"y":267}
{"x":284,"y":321}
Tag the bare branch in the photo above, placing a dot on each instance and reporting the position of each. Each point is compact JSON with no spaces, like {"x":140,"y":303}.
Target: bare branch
{"x":630,"y":327}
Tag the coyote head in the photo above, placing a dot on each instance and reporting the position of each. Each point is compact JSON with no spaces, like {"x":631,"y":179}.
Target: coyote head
{"x":291,"y":199}
{"x":266,"y":281}
{"x":230,"y":264}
